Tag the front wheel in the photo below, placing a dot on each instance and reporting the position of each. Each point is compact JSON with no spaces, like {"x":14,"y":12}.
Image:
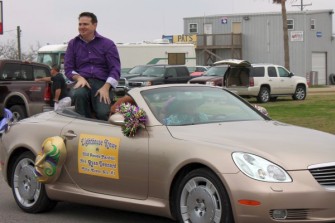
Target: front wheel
{"x":29,"y":194}
{"x":19,"y":112}
{"x":300,"y":93}
{"x":201,"y":197}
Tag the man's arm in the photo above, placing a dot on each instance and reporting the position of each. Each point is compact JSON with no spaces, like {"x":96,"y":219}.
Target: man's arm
{"x":46,"y":79}
{"x":114,"y":65}
{"x":69,"y":61}
{"x":57,"y":94}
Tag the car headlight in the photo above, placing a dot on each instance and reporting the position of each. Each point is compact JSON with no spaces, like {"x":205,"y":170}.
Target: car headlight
{"x":211,"y":83}
{"x":147,"y":83}
{"x":259,"y":168}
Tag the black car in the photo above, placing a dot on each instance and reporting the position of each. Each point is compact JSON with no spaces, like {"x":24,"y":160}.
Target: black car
{"x":161,"y":74}
{"x":136,"y":71}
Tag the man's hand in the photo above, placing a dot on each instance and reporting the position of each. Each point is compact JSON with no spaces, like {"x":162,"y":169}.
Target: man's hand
{"x":80,"y":82}
{"x":103,"y":93}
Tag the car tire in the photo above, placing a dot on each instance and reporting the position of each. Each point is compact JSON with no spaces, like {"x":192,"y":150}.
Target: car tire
{"x":300,"y":93}
{"x":29,"y":194}
{"x":263,"y":95}
{"x":19,"y":112}
{"x":201,"y":197}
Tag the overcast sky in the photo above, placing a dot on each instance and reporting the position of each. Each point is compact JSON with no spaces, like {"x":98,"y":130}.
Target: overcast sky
{"x":56,"y":21}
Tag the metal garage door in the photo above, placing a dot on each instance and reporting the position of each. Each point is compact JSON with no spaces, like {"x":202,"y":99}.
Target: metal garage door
{"x":319,"y":65}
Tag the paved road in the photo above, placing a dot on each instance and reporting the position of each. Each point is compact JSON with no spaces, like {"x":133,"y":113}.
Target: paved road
{"x":67,"y":213}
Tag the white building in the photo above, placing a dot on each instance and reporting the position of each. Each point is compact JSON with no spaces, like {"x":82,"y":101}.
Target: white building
{"x":259,"y":38}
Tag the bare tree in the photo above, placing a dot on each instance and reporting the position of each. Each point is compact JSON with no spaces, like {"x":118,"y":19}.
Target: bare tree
{"x":9,"y":50}
{"x":285,"y":32}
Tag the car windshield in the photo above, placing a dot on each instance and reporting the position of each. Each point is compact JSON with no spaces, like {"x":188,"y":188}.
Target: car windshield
{"x":154,"y":72}
{"x":177,"y":106}
{"x":137,"y":70}
{"x":191,"y":69}
{"x":216,"y":71}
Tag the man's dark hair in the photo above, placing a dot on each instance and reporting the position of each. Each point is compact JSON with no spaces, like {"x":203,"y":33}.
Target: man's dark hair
{"x":89,"y":14}
{"x":55,"y":67}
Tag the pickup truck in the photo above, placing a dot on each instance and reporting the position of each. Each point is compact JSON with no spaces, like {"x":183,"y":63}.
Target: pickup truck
{"x":19,"y":92}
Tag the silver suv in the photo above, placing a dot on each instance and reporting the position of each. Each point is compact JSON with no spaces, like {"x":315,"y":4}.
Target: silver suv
{"x":264,"y":81}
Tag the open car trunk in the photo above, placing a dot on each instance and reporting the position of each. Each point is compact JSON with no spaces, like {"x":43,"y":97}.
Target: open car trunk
{"x":238,"y":73}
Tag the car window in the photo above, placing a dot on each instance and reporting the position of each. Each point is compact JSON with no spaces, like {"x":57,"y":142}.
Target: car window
{"x":257,"y":72}
{"x":137,"y":70}
{"x":154,"y":72}
{"x":200,"y":69}
{"x":40,"y":72}
{"x":283,"y":72}
{"x":10,"y":71}
{"x":216,"y":71}
{"x":171,"y":72}
{"x":182,"y":72}
{"x":26,"y":73}
{"x":7,"y":73}
{"x":197,"y":105}
{"x":15,"y":71}
{"x":192,"y":69}
{"x":272,"y":72}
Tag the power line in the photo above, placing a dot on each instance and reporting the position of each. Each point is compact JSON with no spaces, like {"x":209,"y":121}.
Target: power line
{"x":302,"y":5}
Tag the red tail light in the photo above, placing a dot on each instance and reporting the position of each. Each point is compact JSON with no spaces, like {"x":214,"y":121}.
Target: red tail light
{"x":251,"y":82}
{"x":47,"y":93}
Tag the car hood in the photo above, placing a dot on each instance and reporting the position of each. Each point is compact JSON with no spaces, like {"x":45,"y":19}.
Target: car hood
{"x":143,"y":78}
{"x":298,"y":78}
{"x":292,"y":147}
{"x":128,"y":76}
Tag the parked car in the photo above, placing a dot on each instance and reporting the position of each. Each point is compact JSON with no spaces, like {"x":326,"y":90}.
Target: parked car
{"x":199,"y":154}
{"x":211,"y":77}
{"x":161,"y":74}
{"x":123,"y":85}
{"x":136,"y":71}
{"x":198,"y":70}
{"x":264,"y":81}
{"x":18,"y":90}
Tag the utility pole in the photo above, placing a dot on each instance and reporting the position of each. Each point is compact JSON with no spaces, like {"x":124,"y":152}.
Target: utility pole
{"x":19,"y":42}
{"x":302,"y":5}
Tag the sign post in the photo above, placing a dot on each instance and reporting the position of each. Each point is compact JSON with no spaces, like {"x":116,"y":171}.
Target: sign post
{"x":1,"y":19}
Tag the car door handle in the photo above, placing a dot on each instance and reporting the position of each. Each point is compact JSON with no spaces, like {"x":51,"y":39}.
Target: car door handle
{"x":70,"y":134}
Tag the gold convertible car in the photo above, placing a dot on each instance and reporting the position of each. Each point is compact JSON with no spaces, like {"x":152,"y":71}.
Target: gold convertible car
{"x":192,"y":153}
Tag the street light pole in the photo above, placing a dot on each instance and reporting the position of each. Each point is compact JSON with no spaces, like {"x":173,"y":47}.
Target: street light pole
{"x":19,"y":42}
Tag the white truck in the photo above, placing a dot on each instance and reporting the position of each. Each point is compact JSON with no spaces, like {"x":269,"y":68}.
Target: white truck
{"x":132,"y":54}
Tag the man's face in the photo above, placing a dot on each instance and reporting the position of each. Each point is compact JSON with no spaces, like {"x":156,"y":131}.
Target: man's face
{"x":53,"y":72}
{"x":86,"y":28}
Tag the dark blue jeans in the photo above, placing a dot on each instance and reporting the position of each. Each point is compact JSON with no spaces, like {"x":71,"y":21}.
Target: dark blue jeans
{"x":87,"y":104}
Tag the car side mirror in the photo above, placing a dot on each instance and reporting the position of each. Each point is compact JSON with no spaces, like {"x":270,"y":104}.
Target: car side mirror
{"x":116,"y":119}
{"x":291,"y":74}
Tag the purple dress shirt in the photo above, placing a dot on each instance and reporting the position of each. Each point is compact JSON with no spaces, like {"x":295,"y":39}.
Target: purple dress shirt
{"x":97,"y":59}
